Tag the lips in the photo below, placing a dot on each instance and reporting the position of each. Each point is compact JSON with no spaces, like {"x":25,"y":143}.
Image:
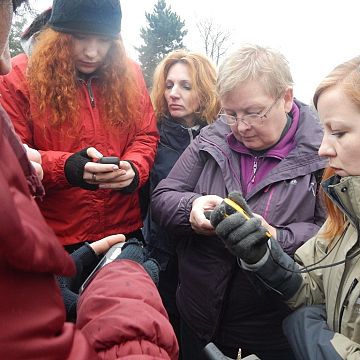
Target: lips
{"x":175,"y":107}
{"x":248,"y":138}
{"x":88,"y":64}
{"x":339,"y":171}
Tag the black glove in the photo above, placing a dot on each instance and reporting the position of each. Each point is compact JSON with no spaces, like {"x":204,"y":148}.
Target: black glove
{"x":133,"y":250}
{"x":74,"y":170}
{"x":245,"y":238}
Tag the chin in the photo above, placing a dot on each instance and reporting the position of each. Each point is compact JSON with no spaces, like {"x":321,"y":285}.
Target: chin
{"x":341,"y":173}
{"x":176,"y":114}
{"x":86,"y":71}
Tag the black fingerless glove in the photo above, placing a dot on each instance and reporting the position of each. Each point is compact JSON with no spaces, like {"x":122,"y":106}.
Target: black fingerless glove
{"x":74,"y":170}
{"x":133,"y":250}
{"x":243,"y":235}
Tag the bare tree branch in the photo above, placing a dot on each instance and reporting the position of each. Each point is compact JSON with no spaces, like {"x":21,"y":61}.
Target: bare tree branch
{"x":216,"y":40}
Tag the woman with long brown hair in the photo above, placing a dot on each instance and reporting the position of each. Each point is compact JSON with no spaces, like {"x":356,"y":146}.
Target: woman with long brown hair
{"x":185,"y":100}
{"x":79,"y":98}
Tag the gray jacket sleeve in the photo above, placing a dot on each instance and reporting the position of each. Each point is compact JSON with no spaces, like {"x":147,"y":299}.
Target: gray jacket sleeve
{"x":309,"y":335}
{"x":277,"y":271}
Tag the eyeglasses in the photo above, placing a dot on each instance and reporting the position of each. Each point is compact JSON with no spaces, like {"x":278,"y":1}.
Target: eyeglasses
{"x":249,"y":119}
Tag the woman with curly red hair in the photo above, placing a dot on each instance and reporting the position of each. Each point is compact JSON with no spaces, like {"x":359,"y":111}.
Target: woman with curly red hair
{"x":77,"y":98}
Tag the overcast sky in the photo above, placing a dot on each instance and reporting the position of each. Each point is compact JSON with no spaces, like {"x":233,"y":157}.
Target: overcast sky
{"x":315,"y":35}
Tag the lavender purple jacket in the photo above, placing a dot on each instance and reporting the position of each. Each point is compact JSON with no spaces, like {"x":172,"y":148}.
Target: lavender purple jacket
{"x":286,"y":198}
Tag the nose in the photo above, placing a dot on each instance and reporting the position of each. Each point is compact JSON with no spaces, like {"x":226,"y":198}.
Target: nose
{"x":326,"y":149}
{"x":242,"y":126}
{"x":174,"y":92}
{"x":91,"y":49}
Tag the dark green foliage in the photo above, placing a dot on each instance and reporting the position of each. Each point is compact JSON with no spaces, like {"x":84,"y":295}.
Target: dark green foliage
{"x":15,"y":34}
{"x":163,"y":34}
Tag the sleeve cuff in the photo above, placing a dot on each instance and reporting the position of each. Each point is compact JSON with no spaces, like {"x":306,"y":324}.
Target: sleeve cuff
{"x":260,"y":263}
{"x":134,"y":184}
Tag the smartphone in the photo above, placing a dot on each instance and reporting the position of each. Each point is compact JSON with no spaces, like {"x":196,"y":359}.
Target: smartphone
{"x":109,"y":160}
{"x":110,"y":256}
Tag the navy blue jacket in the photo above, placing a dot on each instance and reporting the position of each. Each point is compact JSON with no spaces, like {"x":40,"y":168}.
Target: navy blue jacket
{"x":174,"y":139}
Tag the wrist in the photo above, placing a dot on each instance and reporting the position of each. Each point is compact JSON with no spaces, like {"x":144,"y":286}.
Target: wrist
{"x":135,"y":181}
{"x":253,"y":266}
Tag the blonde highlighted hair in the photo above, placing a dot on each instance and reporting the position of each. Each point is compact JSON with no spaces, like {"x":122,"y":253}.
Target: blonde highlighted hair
{"x":254,"y":62}
{"x":203,"y":82}
{"x":346,"y":77}
{"x":53,"y":82}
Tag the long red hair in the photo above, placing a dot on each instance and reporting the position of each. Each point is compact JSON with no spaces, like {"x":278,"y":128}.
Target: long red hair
{"x":53,"y":81}
{"x":346,"y":77}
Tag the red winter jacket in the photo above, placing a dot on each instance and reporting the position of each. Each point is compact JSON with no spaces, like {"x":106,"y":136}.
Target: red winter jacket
{"x":120,"y":314}
{"x":78,"y":215}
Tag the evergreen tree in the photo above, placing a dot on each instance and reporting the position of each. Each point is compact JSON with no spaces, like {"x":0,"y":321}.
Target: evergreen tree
{"x":15,"y":34}
{"x":164,"y":34}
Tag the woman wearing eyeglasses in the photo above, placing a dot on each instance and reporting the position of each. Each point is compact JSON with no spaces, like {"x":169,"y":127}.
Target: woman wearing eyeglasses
{"x":265,"y":145}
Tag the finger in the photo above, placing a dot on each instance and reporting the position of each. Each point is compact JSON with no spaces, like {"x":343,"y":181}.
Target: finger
{"x":115,"y":177}
{"x":93,"y":153}
{"x":114,"y":239}
{"x":32,"y":154}
{"x":239,"y":233}
{"x":217,"y":215}
{"x":114,"y":185}
{"x":229,"y":224}
{"x":105,"y":244}
{"x":39,"y":170}
{"x":237,"y":197}
{"x":251,"y":243}
{"x":97,"y":168}
{"x":125,"y":165}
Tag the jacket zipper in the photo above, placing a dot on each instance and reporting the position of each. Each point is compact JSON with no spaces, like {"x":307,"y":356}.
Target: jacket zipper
{"x":190,"y":135}
{"x":255,"y":166}
{"x":346,"y":301}
{"x":91,"y":94}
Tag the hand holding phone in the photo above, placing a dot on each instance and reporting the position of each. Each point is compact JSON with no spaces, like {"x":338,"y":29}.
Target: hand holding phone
{"x":109,"y":160}
{"x":109,"y":256}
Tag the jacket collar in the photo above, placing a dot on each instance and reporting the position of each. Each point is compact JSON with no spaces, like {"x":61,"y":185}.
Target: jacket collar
{"x":345,"y":193}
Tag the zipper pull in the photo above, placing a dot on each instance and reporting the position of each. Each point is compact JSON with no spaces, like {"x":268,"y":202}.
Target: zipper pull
{"x":312,"y":188}
{"x":255,"y":166}
{"x":351,"y":288}
{"x":346,"y":301}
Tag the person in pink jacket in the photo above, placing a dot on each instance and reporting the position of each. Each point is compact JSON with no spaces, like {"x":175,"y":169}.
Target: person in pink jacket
{"x":78,"y":89}
{"x":120,"y":314}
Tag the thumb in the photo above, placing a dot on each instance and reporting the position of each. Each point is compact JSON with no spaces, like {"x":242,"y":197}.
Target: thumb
{"x":93,"y":153}
{"x":238,"y":198}
{"x":125,"y":165}
{"x":103,"y":245}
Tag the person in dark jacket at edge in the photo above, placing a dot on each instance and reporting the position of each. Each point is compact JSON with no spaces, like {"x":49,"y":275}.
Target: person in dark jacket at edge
{"x":185,"y":100}
{"x":122,"y":300}
{"x":265,"y":145}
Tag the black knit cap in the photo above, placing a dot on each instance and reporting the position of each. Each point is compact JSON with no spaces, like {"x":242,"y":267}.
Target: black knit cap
{"x":100,"y":17}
